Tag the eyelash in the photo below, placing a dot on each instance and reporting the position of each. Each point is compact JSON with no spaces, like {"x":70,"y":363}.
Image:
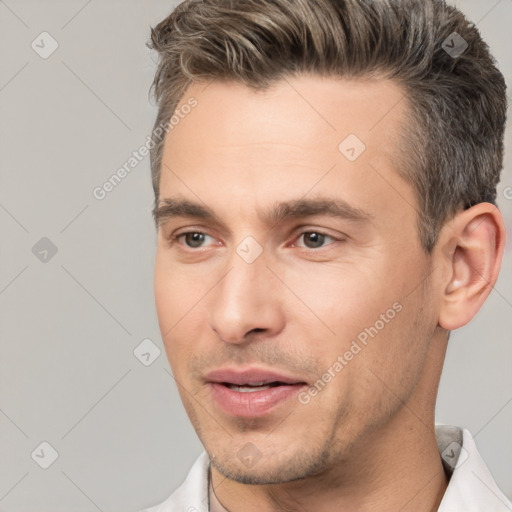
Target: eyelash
{"x":175,"y":239}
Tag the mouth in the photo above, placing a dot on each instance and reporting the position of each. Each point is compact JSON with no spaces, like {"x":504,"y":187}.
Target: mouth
{"x":251,"y":392}
{"x":253,"y":388}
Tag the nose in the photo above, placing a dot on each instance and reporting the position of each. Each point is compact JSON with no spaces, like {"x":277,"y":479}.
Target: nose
{"x":247,"y":301}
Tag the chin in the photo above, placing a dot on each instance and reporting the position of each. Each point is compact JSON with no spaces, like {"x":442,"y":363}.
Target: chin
{"x":263,"y":476}
{"x":265,"y":469}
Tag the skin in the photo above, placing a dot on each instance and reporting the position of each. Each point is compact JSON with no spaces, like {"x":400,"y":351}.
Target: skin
{"x":366,"y":441}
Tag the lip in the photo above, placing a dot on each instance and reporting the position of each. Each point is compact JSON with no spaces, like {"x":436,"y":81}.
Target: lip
{"x":240,"y":376}
{"x":256,"y":403}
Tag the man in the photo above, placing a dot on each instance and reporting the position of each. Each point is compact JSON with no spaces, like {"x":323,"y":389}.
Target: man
{"x":325,"y":203}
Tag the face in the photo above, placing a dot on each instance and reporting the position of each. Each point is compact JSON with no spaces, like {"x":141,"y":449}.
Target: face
{"x":291,"y":288}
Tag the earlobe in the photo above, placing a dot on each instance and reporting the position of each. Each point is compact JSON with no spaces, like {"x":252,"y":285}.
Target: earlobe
{"x":471,"y":250}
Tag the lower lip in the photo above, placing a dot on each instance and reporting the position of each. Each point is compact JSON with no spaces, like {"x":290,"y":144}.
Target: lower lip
{"x":254,"y":403}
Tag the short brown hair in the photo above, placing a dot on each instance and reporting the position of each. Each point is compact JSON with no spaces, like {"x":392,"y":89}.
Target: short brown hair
{"x":453,"y":143}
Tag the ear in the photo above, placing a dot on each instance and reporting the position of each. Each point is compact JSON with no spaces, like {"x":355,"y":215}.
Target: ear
{"x":469,"y":249}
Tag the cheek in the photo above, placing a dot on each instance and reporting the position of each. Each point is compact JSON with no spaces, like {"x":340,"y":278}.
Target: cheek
{"x":174,"y":301}
{"x":165,"y":296}
{"x":340,"y":299}
{"x":392,"y":358}
{"x":177,"y":291}
{"x":368,"y":317}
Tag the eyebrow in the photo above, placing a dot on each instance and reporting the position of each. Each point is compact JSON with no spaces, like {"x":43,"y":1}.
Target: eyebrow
{"x":337,"y":208}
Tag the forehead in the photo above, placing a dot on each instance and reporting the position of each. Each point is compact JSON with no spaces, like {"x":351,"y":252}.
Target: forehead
{"x":294,"y":110}
{"x":304,"y":134}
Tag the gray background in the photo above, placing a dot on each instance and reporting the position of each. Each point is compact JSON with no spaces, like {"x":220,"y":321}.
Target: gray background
{"x":69,"y":326}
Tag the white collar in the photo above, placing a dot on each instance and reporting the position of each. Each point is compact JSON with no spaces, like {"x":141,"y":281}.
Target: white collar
{"x":471,"y":487}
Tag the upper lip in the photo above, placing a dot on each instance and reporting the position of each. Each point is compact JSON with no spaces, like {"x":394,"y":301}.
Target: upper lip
{"x":249,"y":376}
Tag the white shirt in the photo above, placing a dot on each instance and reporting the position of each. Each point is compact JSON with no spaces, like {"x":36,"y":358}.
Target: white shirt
{"x":471,"y":487}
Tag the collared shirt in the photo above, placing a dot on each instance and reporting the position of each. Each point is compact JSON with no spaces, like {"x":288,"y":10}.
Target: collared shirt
{"x":471,"y":487}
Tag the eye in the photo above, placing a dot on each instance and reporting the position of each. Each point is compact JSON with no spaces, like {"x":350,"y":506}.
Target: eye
{"x":192,"y":239}
{"x":314,"y":239}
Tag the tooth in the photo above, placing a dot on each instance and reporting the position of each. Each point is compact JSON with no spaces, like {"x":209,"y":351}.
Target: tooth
{"x":249,"y":389}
